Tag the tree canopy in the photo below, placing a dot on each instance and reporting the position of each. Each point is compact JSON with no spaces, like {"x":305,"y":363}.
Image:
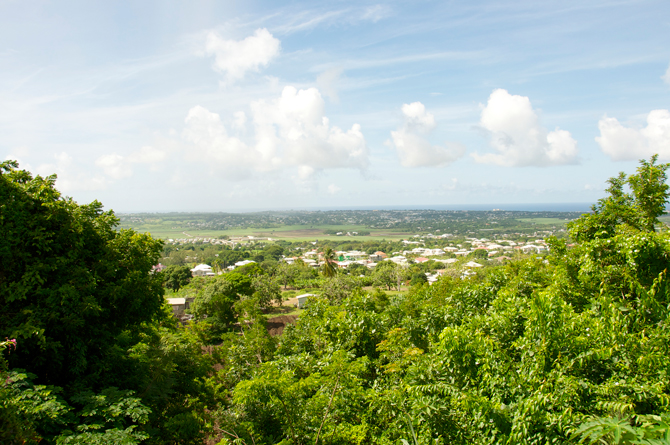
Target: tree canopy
{"x":96,"y":358}
{"x":572,"y":346}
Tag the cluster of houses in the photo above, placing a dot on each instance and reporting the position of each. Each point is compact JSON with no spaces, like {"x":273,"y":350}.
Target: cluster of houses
{"x":421,"y":254}
{"x":232,"y":242}
{"x":344,"y":259}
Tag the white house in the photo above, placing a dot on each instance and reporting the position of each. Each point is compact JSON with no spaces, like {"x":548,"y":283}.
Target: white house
{"x":312,"y":263}
{"x":202,"y":270}
{"x":472,"y":265}
{"x":243,"y":263}
{"x":302,"y":299}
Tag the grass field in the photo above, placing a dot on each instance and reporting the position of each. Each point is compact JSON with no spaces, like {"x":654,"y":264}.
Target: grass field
{"x":545,"y":221}
{"x":172,"y":229}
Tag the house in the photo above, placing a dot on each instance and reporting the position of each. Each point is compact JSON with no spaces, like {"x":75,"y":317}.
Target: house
{"x":178,"y":306}
{"x":472,"y":265}
{"x":398,"y":259}
{"x":447,"y":261}
{"x":302,"y":299}
{"x":381,"y":254}
{"x":502,"y":258}
{"x":311,"y":263}
{"x":202,"y":270}
{"x":243,"y":263}
{"x":354,"y":255}
{"x":420,"y":260}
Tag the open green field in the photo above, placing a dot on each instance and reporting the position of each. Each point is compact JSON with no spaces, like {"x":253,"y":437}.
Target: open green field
{"x":174,"y":230}
{"x":545,"y":221}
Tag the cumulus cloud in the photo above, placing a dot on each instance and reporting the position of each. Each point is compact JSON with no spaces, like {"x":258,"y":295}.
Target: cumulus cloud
{"x":289,"y":131}
{"x":114,"y":166}
{"x":416,"y":151}
{"x":518,"y":138}
{"x":327,"y":82}
{"x":624,"y":143}
{"x":236,"y":57}
{"x":117,"y":167}
{"x":70,"y":179}
{"x":666,"y":76}
{"x":147,"y":155}
{"x":209,"y":142}
{"x":333,"y":189}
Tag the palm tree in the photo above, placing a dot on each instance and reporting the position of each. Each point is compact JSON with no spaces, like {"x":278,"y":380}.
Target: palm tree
{"x":328,"y":267}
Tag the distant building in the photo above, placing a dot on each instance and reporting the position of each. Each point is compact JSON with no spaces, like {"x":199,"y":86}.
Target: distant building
{"x":472,"y":265}
{"x":178,"y":306}
{"x":302,"y":299}
{"x":202,"y":270}
{"x":243,"y":263}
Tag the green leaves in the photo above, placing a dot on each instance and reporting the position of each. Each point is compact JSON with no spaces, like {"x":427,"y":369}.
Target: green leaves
{"x":650,"y":429}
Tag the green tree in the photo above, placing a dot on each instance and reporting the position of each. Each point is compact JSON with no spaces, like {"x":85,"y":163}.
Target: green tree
{"x":388,"y":274}
{"x":287,"y":273}
{"x":176,"y":277}
{"x":418,"y":278}
{"x":70,"y":283}
{"x":91,"y":325}
{"x":274,"y":251}
{"x":329,"y":266}
{"x":266,"y":290}
{"x":638,"y":209}
{"x":480,"y":253}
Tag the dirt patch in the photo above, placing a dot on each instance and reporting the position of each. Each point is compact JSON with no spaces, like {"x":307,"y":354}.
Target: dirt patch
{"x":276,"y":325}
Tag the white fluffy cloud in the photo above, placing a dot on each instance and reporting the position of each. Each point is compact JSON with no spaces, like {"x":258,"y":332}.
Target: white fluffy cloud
{"x":236,"y":57}
{"x":209,"y":142}
{"x":70,"y":178}
{"x":413,"y":149}
{"x":327,"y":82}
{"x":518,"y":138}
{"x":290,"y":131}
{"x":666,"y":76}
{"x":623,"y":143}
{"x":119,"y":167}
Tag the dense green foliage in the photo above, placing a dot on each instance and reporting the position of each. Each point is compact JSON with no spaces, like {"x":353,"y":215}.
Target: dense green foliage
{"x":96,"y":357}
{"x":569,"y":347}
{"x":576,"y":348}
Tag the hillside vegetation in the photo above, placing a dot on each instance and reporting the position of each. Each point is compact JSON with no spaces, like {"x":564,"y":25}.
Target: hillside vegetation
{"x":572,"y":347}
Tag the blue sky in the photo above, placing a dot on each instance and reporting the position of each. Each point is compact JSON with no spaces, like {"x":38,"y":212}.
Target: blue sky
{"x":218,"y":106}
